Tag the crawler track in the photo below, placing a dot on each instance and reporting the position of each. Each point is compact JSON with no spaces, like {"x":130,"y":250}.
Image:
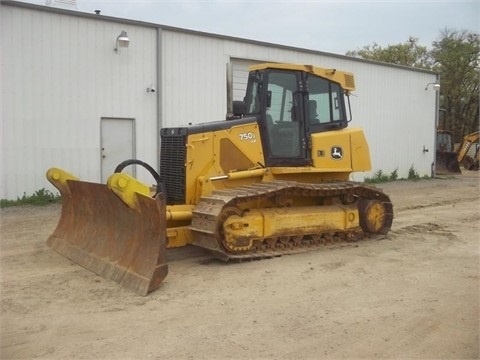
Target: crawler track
{"x":214,"y":209}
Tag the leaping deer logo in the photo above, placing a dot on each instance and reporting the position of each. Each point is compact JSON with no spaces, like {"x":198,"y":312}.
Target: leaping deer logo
{"x":336,"y":152}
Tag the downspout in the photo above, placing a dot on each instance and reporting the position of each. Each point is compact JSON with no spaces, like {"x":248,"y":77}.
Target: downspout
{"x":437,"y":110}
{"x":159,"y":94}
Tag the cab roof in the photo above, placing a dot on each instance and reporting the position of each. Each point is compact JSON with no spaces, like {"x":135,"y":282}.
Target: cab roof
{"x":345,"y":79}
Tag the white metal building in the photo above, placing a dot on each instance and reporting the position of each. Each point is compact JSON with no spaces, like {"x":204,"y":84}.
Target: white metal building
{"x":70,"y":100}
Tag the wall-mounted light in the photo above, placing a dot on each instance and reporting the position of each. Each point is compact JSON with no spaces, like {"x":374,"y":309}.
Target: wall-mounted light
{"x":122,"y":41}
{"x":435,"y":85}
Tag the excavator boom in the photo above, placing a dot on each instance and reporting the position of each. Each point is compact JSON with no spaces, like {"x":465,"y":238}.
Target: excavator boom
{"x":468,"y":141}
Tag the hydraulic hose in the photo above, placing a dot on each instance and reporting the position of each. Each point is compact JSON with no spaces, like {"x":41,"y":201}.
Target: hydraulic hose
{"x":160,"y":188}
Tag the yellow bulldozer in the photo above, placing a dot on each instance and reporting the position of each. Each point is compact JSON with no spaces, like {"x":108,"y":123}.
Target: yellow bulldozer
{"x":271,"y":179}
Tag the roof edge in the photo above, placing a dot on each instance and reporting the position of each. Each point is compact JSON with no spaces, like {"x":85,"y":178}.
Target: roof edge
{"x":202,"y":33}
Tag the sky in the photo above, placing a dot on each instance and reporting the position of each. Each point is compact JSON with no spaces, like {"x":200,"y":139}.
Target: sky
{"x":334,"y":26}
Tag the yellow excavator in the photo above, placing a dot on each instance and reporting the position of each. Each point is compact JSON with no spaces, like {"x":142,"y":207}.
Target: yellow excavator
{"x":469,"y":162}
{"x":271,"y":179}
{"x":448,"y":160}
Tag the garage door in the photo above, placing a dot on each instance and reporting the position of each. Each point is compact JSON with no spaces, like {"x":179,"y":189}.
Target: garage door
{"x":240,"y":76}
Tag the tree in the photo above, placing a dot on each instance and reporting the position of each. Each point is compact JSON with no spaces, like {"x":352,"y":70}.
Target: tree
{"x":409,"y":53}
{"x":455,"y":56}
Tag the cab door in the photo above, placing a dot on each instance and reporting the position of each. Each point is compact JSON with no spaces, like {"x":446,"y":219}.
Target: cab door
{"x":284,"y":119}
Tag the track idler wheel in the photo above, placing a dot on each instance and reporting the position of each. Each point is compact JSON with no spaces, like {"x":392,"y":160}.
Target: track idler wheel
{"x":374,"y":216}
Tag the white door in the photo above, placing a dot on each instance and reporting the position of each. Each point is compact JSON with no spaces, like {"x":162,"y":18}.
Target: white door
{"x":117,"y":145}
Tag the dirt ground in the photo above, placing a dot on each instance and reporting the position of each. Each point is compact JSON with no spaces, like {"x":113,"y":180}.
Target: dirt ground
{"x":413,"y":295}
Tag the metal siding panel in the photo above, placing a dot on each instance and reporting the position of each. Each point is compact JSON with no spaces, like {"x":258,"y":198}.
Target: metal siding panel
{"x":60,"y":84}
{"x":240,"y":77}
{"x":398,"y":118}
{"x":194,"y":79}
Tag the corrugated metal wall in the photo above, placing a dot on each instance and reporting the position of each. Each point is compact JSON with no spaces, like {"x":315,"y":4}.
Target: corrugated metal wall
{"x":193,"y":79}
{"x":60,"y":76}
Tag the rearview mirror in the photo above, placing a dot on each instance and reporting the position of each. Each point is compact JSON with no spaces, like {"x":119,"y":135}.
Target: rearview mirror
{"x":239,"y":108}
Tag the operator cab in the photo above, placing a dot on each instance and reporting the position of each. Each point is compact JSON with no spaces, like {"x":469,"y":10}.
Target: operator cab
{"x":290,"y":103}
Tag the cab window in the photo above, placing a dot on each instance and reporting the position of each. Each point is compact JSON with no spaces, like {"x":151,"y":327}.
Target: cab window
{"x":282,"y":121}
{"x":325,"y":102}
{"x":253,"y":99}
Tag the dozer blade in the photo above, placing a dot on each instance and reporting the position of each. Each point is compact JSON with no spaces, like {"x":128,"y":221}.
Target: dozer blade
{"x":100,"y":232}
{"x":446,"y":163}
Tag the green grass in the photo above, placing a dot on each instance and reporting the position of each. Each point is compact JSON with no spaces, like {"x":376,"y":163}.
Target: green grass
{"x":40,"y":197}
{"x":381,"y":177}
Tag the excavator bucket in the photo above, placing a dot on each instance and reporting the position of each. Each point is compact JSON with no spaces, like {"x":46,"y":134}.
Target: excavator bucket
{"x":99,"y":231}
{"x":446,"y":163}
